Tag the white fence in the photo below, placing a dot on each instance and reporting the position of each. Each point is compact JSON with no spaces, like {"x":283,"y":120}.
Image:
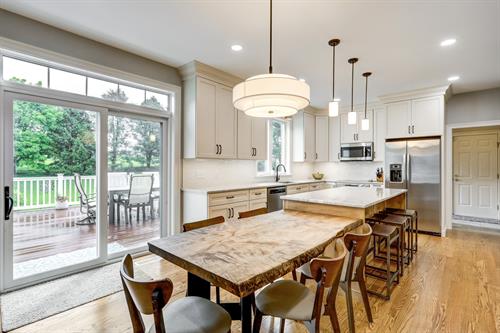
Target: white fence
{"x":42,"y":192}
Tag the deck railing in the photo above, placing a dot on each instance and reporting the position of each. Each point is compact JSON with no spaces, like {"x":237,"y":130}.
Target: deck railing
{"x":42,"y":192}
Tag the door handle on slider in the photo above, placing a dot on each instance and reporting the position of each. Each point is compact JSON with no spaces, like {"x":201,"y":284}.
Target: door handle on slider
{"x":9,"y":203}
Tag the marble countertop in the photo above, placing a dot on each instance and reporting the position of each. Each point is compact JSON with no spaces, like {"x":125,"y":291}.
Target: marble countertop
{"x":225,"y":188}
{"x":245,"y":255}
{"x":356,"y":197}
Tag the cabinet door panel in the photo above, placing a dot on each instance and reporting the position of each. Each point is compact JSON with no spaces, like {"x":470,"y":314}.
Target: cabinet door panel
{"x":347,"y":131}
{"x":309,"y":137}
{"x":205,"y":118}
{"x":244,"y":136}
{"x":365,"y":136}
{"x":322,"y":138}
{"x":223,"y":211}
{"x":259,"y":138}
{"x":334,"y":138}
{"x":426,"y":116}
{"x":239,"y":207}
{"x":256,"y":204}
{"x":398,"y":119}
{"x":380,"y":133}
{"x":225,"y":122}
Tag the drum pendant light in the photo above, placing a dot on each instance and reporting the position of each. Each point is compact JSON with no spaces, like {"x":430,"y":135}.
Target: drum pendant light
{"x":271,"y":95}
{"x":365,"y":123}
{"x":333,"y":106}
{"x":351,"y":115}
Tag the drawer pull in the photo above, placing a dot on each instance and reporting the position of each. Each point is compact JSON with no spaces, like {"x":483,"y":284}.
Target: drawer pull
{"x":230,"y":197}
{"x":258,"y":193}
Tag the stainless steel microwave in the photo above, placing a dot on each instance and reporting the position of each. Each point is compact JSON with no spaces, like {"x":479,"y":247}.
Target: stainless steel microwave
{"x":360,"y":151}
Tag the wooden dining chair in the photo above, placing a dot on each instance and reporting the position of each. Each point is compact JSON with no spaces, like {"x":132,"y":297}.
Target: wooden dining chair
{"x":288,"y":299}
{"x":357,"y":243}
{"x":202,"y":224}
{"x":193,"y":314}
{"x":250,"y":213}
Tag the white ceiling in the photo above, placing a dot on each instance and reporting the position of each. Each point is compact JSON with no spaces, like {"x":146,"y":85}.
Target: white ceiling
{"x":397,"y":40}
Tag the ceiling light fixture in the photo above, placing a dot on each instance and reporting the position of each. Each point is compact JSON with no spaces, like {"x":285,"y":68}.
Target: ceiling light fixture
{"x":448,"y":42}
{"x":333,"y":106}
{"x":271,"y":95}
{"x":453,"y":78}
{"x":365,"y":123}
{"x":236,"y":47}
{"x":351,"y":115}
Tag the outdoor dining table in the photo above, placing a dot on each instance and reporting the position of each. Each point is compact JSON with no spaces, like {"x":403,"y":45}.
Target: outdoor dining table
{"x":245,"y":255}
{"x":112,"y":191}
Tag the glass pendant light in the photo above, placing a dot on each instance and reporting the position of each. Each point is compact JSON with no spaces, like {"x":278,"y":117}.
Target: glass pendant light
{"x":333,"y":106}
{"x":271,"y":95}
{"x":365,"y":123}
{"x":351,"y":115}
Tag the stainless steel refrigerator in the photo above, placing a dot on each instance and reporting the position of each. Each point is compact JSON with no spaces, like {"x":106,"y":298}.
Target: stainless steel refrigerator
{"x":415,"y":165}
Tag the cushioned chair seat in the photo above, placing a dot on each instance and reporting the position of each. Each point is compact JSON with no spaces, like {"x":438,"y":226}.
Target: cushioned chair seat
{"x":286,"y":299}
{"x":195,"y":315}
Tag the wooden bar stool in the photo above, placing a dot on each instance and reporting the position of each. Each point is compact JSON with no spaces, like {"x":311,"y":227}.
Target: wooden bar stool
{"x":390,"y":234}
{"x":413,"y":215}
{"x":402,"y":223}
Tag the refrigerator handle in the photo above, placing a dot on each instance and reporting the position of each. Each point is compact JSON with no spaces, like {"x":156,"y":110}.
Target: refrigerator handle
{"x":409,"y":172}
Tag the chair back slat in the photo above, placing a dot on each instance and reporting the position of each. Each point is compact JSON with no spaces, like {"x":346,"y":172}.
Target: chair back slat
{"x":332,"y":261}
{"x":202,"y":224}
{"x":361,"y":236}
{"x":250,"y":213}
{"x":141,"y":292}
{"x":79,"y":187}
{"x":140,"y":189}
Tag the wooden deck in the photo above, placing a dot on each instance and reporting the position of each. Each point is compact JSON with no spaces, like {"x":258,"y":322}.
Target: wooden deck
{"x":46,"y":232}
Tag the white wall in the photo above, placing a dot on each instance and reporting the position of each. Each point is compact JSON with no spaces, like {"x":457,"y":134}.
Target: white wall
{"x":206,"y":172}
{"x":348,"y":170}
{"x":475,"y":106}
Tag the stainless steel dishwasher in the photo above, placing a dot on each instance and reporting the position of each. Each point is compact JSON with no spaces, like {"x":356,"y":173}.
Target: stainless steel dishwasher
{"x":274,"y":202}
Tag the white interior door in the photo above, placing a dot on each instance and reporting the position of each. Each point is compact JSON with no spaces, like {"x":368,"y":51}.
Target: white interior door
{"x":475,"y":168}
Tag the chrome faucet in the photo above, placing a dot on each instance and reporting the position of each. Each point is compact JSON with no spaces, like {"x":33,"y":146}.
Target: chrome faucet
{"x":277,"y":171}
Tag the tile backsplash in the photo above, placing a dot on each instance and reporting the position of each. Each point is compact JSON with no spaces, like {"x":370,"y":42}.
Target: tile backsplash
{"x":349,"y":170}
{"x":206,"y":172}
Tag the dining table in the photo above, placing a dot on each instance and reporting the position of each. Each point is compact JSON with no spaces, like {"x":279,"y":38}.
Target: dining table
{"x":245,"y":255}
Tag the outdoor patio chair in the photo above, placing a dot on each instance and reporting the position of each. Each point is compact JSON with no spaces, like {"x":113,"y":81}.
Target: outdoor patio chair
{"x":87,"y":202}
{"x":139,"y":196}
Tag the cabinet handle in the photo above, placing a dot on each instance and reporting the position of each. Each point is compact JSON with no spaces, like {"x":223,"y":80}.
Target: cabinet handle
{"x":230,"y":197}
{"x":354,"y":137}
{"x":255,"y":152}
{"x":409,"y":132}
{"x":232,"y":212}
{"x":305,"y":155}
{"x":220,"y":150}
{"x":413,"y":129}
{"x":217,"y":151}
{"x":229,"y":213}
{"x":316,"y":155}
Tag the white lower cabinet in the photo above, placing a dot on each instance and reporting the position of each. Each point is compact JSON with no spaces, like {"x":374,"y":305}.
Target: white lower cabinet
{"x":292,"y":189}
{"x":230,"y":212}
{"x":256,"y":204}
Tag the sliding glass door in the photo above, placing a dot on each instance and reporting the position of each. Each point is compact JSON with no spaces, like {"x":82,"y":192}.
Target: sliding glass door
{"x":51,"y":151}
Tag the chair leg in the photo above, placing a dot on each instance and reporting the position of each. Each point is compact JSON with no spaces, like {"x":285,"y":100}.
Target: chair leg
{"x":334,"y":319}
{"x":303,"y":279}
{"x":217,"y":295}
{"x":282,"y":325}
{"x":364,"y":295}
{"x":257,"y":322}
{"x":350,"y":309}
{"x":143,"y":213}
{"x":127,"y":214}
{"x":294,"y":275}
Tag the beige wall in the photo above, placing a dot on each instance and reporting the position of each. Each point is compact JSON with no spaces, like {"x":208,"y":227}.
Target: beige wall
{"x":25,"y":30}
{"x":474,"y":106}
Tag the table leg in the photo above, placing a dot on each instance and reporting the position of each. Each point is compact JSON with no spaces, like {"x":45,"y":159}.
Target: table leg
{"x":196,"y":286}
{"x":246,"y":314}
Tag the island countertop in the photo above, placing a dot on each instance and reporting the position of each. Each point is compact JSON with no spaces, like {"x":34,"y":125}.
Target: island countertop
{"x":355,"y":197}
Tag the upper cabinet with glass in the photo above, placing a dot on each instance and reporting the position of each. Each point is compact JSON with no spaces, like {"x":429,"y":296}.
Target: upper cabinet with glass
{"x":210,"y":120}
{"x":35,"y":74}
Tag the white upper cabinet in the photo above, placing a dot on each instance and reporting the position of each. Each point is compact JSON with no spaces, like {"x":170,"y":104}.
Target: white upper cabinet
{"x":209,"y":118}
{"x":380,"y":132}
{"x":416,"y":113}
{"x":252,"y":137}
{"x":304,"y":138}
{"x":334,"y":139}
{"x":321,"y":138}
{"x":354,"y":133}
{"x":398,"y":119}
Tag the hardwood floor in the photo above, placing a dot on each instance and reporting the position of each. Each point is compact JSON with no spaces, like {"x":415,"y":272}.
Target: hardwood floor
{"x":453,"y":285}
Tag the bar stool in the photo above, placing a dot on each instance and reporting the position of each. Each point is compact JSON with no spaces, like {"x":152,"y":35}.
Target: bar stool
{"x":413,"y":215}
{"x":390,"y":234}
{"x":402,"y":223}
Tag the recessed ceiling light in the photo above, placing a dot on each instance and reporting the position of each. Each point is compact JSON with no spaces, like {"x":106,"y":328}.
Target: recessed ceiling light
{"x":448,"y":42}
{"x":453,"y":78}
{"x":236,"y":47}
{"x":303,"y":80}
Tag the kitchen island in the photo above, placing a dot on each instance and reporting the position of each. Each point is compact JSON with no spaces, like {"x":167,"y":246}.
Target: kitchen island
{"x":354,"y":202}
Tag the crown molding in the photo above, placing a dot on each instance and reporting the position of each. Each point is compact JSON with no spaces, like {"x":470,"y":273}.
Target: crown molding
{"x":419,"y":93}
{"x":196,"y":68}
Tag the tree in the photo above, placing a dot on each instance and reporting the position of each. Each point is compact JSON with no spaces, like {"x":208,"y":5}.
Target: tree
{"x":117,"y":130}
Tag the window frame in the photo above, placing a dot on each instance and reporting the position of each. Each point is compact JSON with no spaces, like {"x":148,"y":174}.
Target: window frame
{"x":269,"y":171}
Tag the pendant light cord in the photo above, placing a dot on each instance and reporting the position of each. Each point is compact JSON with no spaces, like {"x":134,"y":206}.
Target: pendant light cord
{"x":352,"y":88}
{"x":366,"y":93}
{"x":270,"y":36}
{"x":333,"y":75}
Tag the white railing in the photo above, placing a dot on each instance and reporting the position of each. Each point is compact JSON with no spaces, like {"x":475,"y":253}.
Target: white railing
{"x":42,"y":192}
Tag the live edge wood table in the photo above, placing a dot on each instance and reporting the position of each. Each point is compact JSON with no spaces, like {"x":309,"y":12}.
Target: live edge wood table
{"x":245,"y":255}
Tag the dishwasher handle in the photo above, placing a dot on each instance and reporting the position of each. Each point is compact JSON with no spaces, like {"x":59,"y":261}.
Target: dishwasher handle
{"x":277,"y":190}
